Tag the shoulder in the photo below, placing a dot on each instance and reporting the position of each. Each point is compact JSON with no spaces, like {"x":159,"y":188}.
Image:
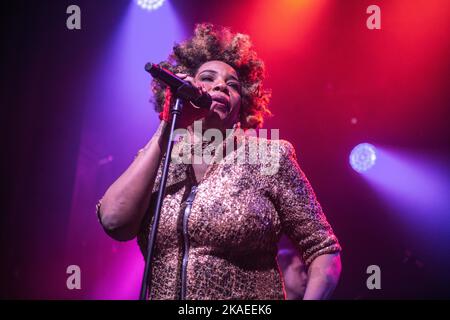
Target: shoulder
{"x":281,"y":147}
{"x":287,"y":149}
{"x":273,"y":155}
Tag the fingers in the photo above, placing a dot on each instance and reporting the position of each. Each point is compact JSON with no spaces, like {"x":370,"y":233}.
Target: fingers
{"x":187,"y":78}
{"x":184,"y":76}
{"x":202,"y":88}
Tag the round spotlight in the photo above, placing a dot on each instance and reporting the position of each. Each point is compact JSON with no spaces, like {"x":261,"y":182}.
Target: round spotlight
{"x":363,"y":157}
{"x":150,"y":4}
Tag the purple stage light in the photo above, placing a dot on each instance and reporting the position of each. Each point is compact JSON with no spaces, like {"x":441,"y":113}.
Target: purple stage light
{"x":363,"y":157}
{"x":118,"y":95}
{"x":150,"y":4}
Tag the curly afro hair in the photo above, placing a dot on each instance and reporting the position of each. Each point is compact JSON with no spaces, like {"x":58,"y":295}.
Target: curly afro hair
{"x":219,"y":43}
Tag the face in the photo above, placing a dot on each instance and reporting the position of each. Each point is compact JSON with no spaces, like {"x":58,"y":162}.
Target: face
{"x":222,"y":82}
{"x":296,"y":277}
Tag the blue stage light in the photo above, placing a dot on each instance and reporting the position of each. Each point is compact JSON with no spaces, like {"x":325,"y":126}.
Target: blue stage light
{"x":363,"y":157}
{"x":150,"y":4}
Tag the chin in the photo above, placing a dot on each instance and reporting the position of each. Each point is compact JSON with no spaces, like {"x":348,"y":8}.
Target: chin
{"x":216,"y":114}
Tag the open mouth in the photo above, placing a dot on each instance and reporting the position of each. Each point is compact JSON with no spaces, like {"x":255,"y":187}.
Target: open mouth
{"x":221,"y":102}
{"x":219,"y":98}
{"x":219,"y":105}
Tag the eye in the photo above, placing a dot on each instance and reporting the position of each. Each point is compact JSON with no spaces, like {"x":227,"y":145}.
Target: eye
{"x":206,"y":78}
{"x":235,"y":85}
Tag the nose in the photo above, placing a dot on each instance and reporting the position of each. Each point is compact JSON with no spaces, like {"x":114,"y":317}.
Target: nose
{"x":220,"y":86}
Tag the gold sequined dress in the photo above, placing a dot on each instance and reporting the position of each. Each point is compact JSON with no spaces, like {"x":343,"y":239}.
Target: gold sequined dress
{"x":225,"y":246}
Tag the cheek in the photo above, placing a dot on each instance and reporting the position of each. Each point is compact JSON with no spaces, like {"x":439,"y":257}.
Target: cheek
{"x":236,"y":102}
{"x":288,"y":276}
{"x":208,"y":86}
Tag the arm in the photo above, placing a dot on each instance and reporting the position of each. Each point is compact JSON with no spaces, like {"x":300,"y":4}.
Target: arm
{"x":304,"y":222}
{"x":323,"y":276}
{"x":125,"y":202}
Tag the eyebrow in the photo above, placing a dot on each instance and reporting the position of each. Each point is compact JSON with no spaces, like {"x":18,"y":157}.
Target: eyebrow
{"x":215,"y":72}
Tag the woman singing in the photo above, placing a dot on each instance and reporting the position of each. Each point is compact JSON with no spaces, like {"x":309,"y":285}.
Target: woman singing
{"x":221,"y":220}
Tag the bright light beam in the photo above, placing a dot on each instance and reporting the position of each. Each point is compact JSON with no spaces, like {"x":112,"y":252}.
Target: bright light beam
{"x":363,"y":157}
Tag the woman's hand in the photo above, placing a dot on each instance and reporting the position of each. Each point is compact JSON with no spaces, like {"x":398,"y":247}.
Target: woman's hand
{"x":190,"y":112}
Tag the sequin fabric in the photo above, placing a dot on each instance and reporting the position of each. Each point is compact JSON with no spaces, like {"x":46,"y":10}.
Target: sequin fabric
{"x":237,"y":217}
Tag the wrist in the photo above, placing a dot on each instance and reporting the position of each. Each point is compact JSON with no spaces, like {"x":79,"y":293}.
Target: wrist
{"x":162,"y":129}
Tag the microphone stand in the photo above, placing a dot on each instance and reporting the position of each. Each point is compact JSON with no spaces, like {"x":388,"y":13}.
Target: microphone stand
{"x":146,"y":287}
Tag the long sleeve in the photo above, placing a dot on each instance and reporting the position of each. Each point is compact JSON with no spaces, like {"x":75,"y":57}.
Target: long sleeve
{"x":301,"y":215}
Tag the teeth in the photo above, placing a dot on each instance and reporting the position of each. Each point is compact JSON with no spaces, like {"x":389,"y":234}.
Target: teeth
{"x":220,"y":101}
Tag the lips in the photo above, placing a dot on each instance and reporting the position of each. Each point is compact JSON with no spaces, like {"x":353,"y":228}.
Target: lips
{"x":221,"y":99}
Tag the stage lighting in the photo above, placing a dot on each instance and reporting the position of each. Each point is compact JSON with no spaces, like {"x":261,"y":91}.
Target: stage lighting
{"x":363,"y":157}
{"x":150,"y":4}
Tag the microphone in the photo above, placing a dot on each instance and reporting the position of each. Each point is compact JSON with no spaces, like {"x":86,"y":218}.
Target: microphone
{"x":183,"y":89}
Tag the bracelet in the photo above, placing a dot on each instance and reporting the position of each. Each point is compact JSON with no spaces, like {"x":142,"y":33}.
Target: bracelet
{"x":97,"y":209}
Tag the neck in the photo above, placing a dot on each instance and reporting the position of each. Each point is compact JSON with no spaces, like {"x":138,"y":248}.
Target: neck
{"x":199,"y":141}
{"x":198,"y":131}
